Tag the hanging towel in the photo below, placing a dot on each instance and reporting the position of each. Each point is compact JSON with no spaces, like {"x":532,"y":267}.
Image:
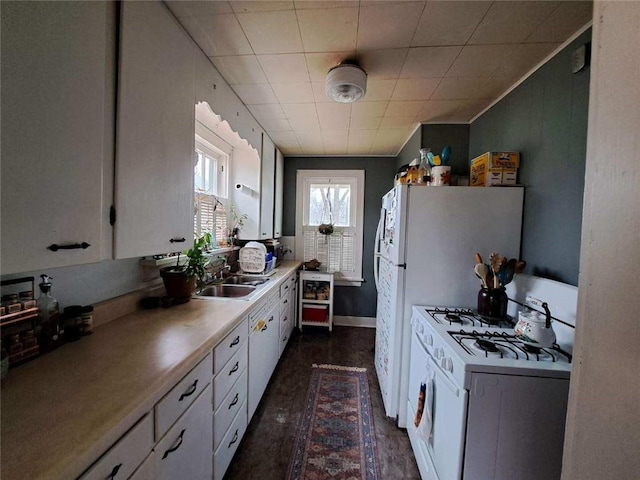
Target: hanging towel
{"x":424,"y":419}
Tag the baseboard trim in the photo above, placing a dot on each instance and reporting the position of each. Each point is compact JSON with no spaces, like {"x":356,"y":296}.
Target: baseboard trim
{"x":349,"y":321}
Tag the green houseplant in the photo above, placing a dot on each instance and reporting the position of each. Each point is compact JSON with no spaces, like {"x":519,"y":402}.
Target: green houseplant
{"x":180,"y":280}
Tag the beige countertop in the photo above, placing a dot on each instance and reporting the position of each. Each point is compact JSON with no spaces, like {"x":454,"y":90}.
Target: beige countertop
{"x":61,"y":411}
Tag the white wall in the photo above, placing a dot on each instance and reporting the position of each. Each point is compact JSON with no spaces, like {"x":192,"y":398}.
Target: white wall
{"x":603,"y":423}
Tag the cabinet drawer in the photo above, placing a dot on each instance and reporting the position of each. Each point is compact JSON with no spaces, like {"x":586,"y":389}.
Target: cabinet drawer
{"x":230,"y":345}
{"x":229,"y":408}
{"x":284,"y":303}
{"x":185,"y":451}
{"x":259,"y":313}
{"x":174,"y":403}
{"x":273,"y":299}
{"x":146,"y":471}
{"x":285,"y":288}
{"x":285,"y":319}
{"x":284,"y":338}
{"x":229,"y":445}
{"x":125,"y":456}
{"x":229,"y":375}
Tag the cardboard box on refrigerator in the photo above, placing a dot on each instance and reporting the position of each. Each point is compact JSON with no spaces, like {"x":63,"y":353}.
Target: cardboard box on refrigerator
{"x":494,"y":168}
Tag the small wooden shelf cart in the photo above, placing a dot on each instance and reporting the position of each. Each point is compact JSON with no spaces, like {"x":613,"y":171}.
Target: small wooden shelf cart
{"x":316,"y":299}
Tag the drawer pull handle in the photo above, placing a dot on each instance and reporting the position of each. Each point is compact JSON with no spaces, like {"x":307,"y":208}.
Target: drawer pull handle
{"x":235,"y":400}
{"x":176,"y":447}
{"x":285,"y":339}
{"x":234,"y":369}
{"x":285,"y":301}
{"x":178,"y":240}
{"x":285,"y":318}
{"x":235,"y":342}
{"x":263,"y":328}
{"x":234,"y":440}
{"x":55,"y":247}
{"x":286,"y":287}
{"x":189,"y":392}
{"x":114,"y":472}
{"x":271,"y":319}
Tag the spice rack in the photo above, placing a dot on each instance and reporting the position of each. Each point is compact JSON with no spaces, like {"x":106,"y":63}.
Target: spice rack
{"x":18,"y":327}
{"x":316,"y":299}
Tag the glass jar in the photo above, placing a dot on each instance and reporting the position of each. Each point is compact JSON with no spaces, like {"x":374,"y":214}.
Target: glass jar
{"x":15,"y":345}
{"x":492,"y":302}
{"x":87,"y":320}
{"x":72,"y":323}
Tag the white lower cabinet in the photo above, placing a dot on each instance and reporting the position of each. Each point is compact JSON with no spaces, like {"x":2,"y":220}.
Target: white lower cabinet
{"x":223,"y":455}
{"x":182,"y":395}
{"x":146,"y":471}
{"x":263,"y":354}
{"x":126,"y":455}
{"x":185,"y":450}
{"x":228,"y":409}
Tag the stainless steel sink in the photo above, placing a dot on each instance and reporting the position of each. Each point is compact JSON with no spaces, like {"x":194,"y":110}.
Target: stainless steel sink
{"x":226,"y":290}
{"x":245,"y":280}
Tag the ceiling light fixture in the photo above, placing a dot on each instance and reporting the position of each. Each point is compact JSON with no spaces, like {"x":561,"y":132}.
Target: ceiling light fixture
{"x":346,"y":83}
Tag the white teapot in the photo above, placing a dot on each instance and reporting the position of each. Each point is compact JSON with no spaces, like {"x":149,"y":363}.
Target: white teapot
{"x":534,"y":328}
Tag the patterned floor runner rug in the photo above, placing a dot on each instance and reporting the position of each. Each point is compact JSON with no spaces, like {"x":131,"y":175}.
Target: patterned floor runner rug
{"x":336,"y":439}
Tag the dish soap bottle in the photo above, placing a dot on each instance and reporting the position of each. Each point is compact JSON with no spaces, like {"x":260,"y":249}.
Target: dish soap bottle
{"x":49,"y":317}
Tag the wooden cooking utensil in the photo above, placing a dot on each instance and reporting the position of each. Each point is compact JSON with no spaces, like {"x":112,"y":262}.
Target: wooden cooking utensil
{"x":478,"y":258}
{"x":482,"y":271}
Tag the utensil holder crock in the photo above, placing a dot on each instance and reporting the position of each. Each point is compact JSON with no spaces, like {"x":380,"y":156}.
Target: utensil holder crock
{"x":492,"y":302}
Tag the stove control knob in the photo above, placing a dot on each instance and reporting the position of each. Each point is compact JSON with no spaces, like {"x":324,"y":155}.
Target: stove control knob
{"x":438,"y":353}
{"x":428,"y":339}
{"x":447,"y":364}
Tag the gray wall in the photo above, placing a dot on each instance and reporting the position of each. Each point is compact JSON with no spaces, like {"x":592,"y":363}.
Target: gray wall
{"x":545,"y":119}
{"x":379,"y":171}
{"x":410,"y":150}
{"x":436,"y":137}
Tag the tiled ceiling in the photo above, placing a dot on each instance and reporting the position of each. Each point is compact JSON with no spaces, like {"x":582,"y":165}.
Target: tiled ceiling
{"x":426,"y":61}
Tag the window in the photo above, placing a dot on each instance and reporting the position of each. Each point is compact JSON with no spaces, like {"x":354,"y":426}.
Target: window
{"x":333,"y":197}
{"x":210,"y":185}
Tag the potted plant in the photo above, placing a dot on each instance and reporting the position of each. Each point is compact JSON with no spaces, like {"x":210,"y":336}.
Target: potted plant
{"x":180,"y":280}
{"x":237,"y":222}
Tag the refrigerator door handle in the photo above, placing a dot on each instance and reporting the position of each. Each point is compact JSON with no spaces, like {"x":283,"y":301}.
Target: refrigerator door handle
{"x":376,"y":253}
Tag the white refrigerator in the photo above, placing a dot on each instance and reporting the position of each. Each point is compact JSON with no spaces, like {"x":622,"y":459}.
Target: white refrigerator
{"x":425,"y":245}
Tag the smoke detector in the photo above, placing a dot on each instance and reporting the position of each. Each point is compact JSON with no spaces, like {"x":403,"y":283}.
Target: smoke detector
{"x":346,"y":83}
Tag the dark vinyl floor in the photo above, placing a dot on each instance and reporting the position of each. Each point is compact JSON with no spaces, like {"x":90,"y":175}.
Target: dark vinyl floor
{"x":266,"y":448}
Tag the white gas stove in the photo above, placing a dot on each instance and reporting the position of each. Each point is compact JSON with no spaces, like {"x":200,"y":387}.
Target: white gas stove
{"x":464,"y":342}
{"x":485,"y":405}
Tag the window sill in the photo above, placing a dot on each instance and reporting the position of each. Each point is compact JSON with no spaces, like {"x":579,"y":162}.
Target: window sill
{"x":161,"y":262}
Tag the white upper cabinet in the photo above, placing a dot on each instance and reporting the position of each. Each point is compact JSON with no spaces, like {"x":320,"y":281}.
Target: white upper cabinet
{"x":252,"y":189}
{"x":267,"y":192}
{"x":155,"y":133}
{"x":279,"y":195}
{"x":57,"y":96}
{"x":213,"y":89}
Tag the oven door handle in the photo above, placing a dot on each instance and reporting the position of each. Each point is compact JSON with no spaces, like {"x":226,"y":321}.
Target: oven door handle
{"x":443,"y":377}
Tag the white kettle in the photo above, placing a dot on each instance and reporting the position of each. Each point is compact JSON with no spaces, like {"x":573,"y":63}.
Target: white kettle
{"x":534,"y":328}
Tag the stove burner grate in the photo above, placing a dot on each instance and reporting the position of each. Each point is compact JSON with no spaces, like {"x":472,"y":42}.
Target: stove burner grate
{"x":507,"y":345}
{"x":467,"y":317}
{"x":487,"y":345}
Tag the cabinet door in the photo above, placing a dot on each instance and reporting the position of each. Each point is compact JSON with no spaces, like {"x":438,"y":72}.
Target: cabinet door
{"x":186,"y":450}
{"x":57,"y":96}
{"x":263,"y":356}
{"x":279,"y":196}
{"x":155,"y":126}
{"x":267,"y":191}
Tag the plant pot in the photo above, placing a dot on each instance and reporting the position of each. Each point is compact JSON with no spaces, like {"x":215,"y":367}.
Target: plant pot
{"x":177,"y":283}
